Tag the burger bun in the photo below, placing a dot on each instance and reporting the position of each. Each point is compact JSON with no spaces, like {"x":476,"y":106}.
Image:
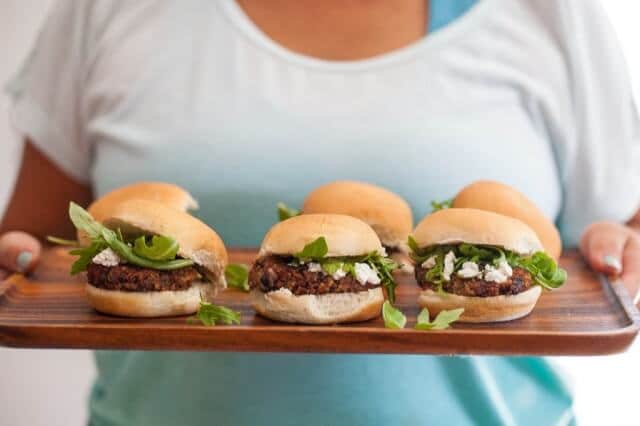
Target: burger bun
{"x":482,"y":309}
{"x":387,"y":213}
{"x":332,"y":308}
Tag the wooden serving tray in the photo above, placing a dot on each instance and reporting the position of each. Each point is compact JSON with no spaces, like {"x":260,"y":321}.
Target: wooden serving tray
{"x":588,"y":316}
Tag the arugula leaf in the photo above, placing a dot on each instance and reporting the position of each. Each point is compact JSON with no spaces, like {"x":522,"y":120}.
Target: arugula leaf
{"x":440,"y":205}
{"x":83,"y":221}
{"x":285,"y":212}
{"x":103,"y":237}
{"x":62,"y":241}
{"x":476,"y":254}
{"x":393,"y":317}
{"x":384,"y":266}
{"x":543,"y":269}
{"x":442,"y":320}
{"x":209,"y":314}
{"x":161,"y":248}
{"x":86,"y":255}
{"x":435,"y":275}
{"x":315,"y":250}
{"x":126,"y":252}
{"x":413,"y":245}
{"x":237,"y":276}
{"x":331,"y":267}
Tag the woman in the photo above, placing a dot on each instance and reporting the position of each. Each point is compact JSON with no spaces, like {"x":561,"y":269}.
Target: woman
{"x":250,"y":103}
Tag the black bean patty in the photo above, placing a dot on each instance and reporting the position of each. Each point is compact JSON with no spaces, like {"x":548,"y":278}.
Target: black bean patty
{"x":134,"y":278}
{"x":272,"y":273}
{"x":517,"y":283}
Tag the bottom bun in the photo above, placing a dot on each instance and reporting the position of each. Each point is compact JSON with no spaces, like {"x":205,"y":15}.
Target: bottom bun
{"x":149,"y":303}
{"x":282,"y":305}
{"x":482,"y":309}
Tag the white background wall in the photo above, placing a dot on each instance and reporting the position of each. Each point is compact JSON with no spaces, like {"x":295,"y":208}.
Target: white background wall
{"x":50,"y":387}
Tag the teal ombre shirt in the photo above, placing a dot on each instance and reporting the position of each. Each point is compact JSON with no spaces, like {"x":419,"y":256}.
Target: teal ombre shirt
{"x":192,"y":92}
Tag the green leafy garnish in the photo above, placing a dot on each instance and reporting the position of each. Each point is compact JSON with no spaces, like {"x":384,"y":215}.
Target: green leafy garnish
{"x":442,"y":320}
{"x":86,"y":254}
{"x":285,"y":212}
{"x":209,"y":314}
{"x":103,"y":237}
{"x":544,"y":270}
{"x":333,"y":266}
{"x":62,"y":241}
{"x":393,"y":317}
{"x":83,"y":221}
{"x":237,"y":276}
{"x":440,"y":205}
{"x":384,"y":266}
{"x":413,"y":245}
{"x":125,"y":251}
{"x":315,"y":250}
{"x":161,"y":248}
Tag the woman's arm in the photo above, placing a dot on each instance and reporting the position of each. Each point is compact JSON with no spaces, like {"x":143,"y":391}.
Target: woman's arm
{"x":37,"y":208}
{"x":614,"y":249}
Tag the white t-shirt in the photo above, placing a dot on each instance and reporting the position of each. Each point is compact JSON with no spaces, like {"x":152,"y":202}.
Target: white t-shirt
{"x":532,"y":93}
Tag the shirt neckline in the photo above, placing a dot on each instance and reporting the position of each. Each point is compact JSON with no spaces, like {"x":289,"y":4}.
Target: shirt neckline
{"x":430,"y":42}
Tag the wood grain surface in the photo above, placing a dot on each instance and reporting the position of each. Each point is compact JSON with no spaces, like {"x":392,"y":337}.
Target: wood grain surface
{"x":587,"y":316}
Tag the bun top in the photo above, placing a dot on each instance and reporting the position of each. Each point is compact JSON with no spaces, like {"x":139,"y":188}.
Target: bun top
{"x":505,"y":200}
{"x":197,"y":241}
{"x":168,"y":194}
{"x":453,"y":226}
{"x":387,"y":213}
{"x":345,"y":235}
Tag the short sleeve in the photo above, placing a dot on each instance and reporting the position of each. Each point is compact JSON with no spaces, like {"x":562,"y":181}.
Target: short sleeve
{"x":46,"y":93}
{"x":599,"y":156}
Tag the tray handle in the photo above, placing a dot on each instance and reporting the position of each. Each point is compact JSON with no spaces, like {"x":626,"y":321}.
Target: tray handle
{"x":621,"y":294}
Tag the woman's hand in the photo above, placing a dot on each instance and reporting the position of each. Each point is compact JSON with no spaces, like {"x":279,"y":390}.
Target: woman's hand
{"x":614,"y":249}
{"x":19,"y":252}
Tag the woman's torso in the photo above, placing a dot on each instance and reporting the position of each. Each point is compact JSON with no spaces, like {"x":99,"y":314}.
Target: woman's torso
{"x":243,"y":123}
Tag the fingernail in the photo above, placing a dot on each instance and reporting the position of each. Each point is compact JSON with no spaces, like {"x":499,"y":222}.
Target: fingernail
{"x":24,"y":260}
{"x":612,"y":262}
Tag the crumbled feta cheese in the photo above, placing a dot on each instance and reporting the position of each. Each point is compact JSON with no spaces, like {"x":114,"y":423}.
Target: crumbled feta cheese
{"x":449,"y":265}
{"x":469,"y":270}
{"x":493,"y":274}
{"x":339,"y":274}
{"x":314,"y":267}
{"x":106,"y":257}
{"x":364,"y":274}
{"x":505,"y":268}
{"x":500,"y":274}
{"x":429,"y":263}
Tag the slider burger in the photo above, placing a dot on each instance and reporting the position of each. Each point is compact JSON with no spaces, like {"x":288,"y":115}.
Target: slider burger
{"x":147,"y":259}
{"x":491,"y":265}
{"x":321,"y":269}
